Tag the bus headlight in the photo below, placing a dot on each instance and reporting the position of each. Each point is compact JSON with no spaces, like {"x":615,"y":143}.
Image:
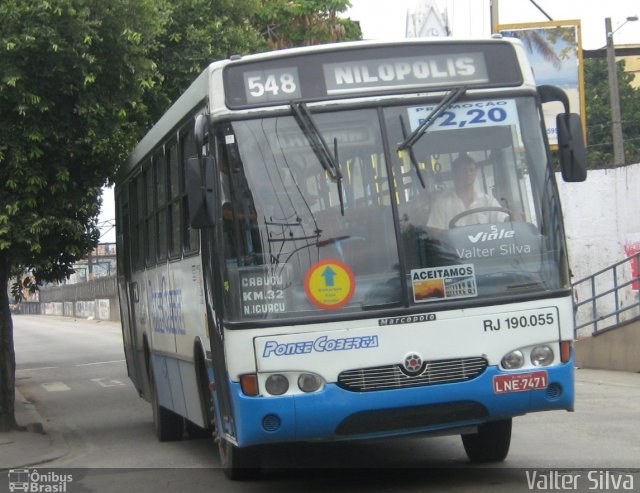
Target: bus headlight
{"x":542,"y":356}
{"x":308,"y":382}
{"x":276,"y":384}
{"x":513,"y":360}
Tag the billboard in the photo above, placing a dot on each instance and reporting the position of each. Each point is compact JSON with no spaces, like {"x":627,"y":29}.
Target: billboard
{"x":554,"y":50}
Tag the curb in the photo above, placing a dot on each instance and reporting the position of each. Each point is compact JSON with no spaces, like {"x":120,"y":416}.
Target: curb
{"x":31,"y":444}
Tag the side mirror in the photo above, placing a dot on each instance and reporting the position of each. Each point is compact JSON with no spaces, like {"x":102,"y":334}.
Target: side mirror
{"x":201,"y":192}
{"x":573,"y":158}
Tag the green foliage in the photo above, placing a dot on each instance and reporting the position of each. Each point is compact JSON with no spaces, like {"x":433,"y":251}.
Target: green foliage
{"x":72,"y":73}
{"x":285,"y":24}
{"x":197,"y":33}
{"x":80,"y":80}
{"x":598,"y":113}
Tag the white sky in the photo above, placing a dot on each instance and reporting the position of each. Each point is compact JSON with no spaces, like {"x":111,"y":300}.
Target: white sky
{"x":386,"y":19}
{"x":108,"y":214}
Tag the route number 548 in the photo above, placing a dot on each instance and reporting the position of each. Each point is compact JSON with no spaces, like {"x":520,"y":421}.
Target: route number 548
{"x":273,"y":84}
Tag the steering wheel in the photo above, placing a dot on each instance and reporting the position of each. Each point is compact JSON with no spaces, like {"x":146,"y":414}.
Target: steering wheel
{"x":477,"y":210}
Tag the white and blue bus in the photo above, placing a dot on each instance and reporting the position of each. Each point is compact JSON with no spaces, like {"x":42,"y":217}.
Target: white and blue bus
{"x":282,"y":277}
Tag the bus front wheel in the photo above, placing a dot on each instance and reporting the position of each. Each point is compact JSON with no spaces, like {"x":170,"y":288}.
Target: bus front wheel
{"x":490,"y":443}
{"x":238,"y":463}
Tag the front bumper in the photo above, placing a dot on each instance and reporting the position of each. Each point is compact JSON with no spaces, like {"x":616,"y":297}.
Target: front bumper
{"x":335,"y":414}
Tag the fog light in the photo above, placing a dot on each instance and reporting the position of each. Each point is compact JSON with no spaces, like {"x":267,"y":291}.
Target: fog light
{"x":513,"y":360}
{"x":308,"y":382}
{"x":271,"y":422}
{"x":542,"y":356}
{"x":277,"y":384}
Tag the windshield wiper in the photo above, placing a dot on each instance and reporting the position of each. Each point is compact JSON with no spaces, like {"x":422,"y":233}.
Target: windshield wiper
{"x":328,"y":161}
{"x":407,"y":144}
{"x":451,"y":97}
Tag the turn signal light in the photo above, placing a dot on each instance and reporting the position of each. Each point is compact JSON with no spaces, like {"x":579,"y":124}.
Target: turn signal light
{"x":249,"y":384}
{"x":565,"y":351}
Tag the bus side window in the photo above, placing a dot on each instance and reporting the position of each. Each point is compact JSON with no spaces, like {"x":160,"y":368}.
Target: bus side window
{"x":160,"y":163}
{"x":149,"y":214}
{"x":175,"y":201}
{"x":191,"y":236}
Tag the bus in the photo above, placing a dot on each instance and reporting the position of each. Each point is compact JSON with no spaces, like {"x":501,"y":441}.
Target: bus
{"x":281,"y":280}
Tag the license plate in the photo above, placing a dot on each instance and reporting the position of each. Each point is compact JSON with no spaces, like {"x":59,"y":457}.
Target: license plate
{"x":520,"y":382}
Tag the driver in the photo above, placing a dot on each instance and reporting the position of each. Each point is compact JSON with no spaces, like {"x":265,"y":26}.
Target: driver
{"x":463,"y":197}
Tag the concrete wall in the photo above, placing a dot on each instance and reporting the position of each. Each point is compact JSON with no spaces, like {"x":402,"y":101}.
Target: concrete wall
{"x":96,"y":299}
{"x":616,"y":349}
{"x":599,"y":214}
{"x":100,"y":309}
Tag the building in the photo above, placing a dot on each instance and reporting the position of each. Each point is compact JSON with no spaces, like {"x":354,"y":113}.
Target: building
{"x":426,"y":21}
{"x":101,"y":262}
{"x":629,"y":53}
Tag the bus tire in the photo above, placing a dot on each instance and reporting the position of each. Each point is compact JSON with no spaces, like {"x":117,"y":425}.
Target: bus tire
{"x":238,"y":463}
{"x":490,"y":443}
{"x":168,"y":425}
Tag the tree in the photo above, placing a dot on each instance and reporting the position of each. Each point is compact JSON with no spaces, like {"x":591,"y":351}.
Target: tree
{"x":199,"y":32}
{"x":80,"y":80}
{"x":285,"y":24}
{"x":543,"y":42}
{"x":72,"y":73}
{"x":202,"y":31}
{"x":598,"y":114}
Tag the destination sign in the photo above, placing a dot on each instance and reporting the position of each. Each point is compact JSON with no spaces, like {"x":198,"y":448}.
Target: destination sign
{"x":414,"y":72}
{"x":382,"y":69}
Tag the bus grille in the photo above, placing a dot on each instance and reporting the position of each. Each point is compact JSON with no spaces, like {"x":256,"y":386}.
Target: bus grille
{"x":392,"y":377}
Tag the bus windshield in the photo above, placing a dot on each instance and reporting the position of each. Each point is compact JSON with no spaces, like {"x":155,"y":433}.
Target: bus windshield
{"x":482,"y":223}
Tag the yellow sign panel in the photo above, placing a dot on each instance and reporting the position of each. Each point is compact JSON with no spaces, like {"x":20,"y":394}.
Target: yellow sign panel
{"x":330,"y":284}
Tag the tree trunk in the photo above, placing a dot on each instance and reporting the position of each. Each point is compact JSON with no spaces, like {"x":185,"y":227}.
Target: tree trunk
{"x":7,"y":353}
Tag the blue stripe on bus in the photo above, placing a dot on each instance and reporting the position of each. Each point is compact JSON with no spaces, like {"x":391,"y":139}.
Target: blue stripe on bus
{"x":317,"y":416}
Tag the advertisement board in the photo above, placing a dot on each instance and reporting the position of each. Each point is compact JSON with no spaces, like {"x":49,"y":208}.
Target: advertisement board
{"x":555,"y":53}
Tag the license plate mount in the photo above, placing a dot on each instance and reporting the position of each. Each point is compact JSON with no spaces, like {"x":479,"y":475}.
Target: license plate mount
{"x":520,"y":382}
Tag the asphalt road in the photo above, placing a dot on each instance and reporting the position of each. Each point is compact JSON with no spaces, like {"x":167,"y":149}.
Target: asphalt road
{"x":75,"y":374}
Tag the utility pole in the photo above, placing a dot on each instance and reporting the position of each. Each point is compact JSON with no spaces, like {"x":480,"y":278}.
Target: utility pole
{"x":614,"y":95}
{"x":494,"y":8}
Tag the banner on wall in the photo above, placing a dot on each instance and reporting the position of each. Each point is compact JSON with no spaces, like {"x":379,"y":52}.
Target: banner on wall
{"x":632,"y":249}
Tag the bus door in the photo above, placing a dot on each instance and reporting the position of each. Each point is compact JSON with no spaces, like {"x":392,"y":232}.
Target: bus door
{"x":128,"y":292}
{"x":223,"y":408}
{"x":213,"y":247}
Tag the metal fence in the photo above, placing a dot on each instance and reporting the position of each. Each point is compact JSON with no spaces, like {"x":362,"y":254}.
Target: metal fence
{"x":607,"y":298}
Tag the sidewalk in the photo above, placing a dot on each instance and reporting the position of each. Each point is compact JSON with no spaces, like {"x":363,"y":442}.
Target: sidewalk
{"x":33,"y":446}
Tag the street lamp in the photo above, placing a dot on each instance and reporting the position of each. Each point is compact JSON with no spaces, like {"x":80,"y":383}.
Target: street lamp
{"x":616,"y":117}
